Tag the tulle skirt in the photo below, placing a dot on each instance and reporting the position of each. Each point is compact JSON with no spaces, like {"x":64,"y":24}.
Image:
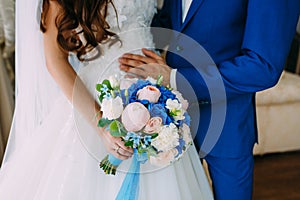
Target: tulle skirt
{"x":54,"y":164}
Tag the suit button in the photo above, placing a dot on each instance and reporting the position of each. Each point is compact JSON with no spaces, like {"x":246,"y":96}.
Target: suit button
{"x":203,"y":102}
{"x":179,"y":48}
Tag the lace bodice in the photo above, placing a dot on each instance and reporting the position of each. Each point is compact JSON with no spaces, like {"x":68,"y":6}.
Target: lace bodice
{"x":132,"y":27}
{"x":131,"y":14}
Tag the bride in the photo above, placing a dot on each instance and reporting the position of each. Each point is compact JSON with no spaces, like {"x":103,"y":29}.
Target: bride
{"x":55,"y":145}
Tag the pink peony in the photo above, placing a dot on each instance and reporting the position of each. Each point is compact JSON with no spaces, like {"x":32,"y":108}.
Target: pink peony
{"x":135,"y":116}
{"x":164,"y":158}
{"x":149,"y":93}
{"x":153,"y":125}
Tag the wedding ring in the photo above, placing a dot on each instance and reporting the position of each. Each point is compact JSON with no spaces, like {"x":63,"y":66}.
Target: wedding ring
{"x":117,"y":149}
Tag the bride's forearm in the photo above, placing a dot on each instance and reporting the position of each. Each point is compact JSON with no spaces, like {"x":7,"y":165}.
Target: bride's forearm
{"x":72,"y":87}
{"x":63,"y":73}
{"x":85,"y":103}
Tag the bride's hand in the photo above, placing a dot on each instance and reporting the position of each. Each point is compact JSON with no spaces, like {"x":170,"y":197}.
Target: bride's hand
{"x":115,"y":146}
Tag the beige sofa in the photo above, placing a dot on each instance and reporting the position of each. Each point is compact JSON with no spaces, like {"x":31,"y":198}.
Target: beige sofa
{"x":278,"y":116}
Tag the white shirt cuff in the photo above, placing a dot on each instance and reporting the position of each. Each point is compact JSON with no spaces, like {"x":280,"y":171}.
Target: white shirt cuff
{"x":173,"y":79}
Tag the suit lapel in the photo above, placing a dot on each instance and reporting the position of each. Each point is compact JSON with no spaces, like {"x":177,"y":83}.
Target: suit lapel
{"x":193,"y":8}
{"x":177,"y":13}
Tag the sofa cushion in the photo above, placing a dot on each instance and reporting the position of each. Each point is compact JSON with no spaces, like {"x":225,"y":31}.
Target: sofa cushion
{"x":287,"y":90}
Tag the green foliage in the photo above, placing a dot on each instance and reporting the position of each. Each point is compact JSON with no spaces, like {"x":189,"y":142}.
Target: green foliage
{"x":107,"y":83}
{"x":98,"y":87}
{"x":154,"y":135}
{"x":160,"y":79}
{"x":117,"y":129}
{"x":104,"y":122}
{"x":129,"y":143}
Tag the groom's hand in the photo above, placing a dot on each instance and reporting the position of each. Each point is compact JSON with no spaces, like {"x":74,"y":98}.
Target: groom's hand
{"x":141,"y":66}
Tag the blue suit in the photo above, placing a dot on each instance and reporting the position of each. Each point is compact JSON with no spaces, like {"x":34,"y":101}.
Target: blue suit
{"x":249,"y":41}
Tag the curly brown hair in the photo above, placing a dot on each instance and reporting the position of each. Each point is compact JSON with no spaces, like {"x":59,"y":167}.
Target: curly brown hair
{"x":86,"y":17}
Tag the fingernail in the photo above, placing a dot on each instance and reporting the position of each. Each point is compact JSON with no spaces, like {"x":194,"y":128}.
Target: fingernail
{"x":122,"y":67}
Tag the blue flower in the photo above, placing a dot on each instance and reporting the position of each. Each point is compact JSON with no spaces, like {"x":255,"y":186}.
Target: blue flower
{"x":180,"y":146}
{"x":147,"y":140}
{"x":136,"y":141}
{"x":144,"y":102}
{"x":123,"y":96}
{"x":165,"y":95}
{"x":157,"y":110}
{"x":107,"y":96}
{"x":187,"y":119}
{"x":131,"y":136}
{"x":169,"y":120}
{"x":104,"y":88}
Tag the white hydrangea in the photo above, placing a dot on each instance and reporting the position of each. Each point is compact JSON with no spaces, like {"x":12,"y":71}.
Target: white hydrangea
{"x":168,"y":138}
{"x":186,"y":133}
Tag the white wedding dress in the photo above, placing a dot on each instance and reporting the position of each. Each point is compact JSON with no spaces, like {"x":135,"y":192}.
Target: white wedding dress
{"x":56,"y":156}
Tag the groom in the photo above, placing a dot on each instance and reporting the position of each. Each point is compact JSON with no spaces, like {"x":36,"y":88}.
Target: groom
{"x":248,"y":40}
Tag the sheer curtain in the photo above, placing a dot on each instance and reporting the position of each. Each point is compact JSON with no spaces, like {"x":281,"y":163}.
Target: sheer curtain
{"x":6,"y":104}
{"x":7,"y":46}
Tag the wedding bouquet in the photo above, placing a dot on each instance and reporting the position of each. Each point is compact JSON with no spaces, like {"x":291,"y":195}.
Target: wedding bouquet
{"x":150,"y":118}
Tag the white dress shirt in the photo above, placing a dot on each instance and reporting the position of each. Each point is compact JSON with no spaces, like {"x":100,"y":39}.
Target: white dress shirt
{"x":185,"y":6}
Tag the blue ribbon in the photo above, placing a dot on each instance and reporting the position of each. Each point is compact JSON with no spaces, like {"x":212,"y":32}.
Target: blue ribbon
{"x":113,"y":160}
{"x":130,"y":186}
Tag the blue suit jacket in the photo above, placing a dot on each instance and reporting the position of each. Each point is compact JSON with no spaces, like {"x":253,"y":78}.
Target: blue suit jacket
{"x":249,"y":41}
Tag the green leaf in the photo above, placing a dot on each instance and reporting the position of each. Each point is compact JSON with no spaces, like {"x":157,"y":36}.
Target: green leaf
{"x":154,"y":135}
{"x":159,"y":80}
{"x":98,"y":87}
{"x":114,"y":128}
{"x":104,"y":122}
{"x":172,"y":113}
{"x":129,"y":144}
{"x":117,"y":129}
{"x":107,"y":83}
{"x":101,"y":97}
{"x":122,"y":128}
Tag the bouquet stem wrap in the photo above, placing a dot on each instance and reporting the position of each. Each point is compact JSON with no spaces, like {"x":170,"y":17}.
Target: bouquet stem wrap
{"x":130,"y":186}
{"x":110,"y":164}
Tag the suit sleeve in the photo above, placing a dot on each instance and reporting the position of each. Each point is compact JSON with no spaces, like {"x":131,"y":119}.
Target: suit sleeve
{"x":269,"y":30}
